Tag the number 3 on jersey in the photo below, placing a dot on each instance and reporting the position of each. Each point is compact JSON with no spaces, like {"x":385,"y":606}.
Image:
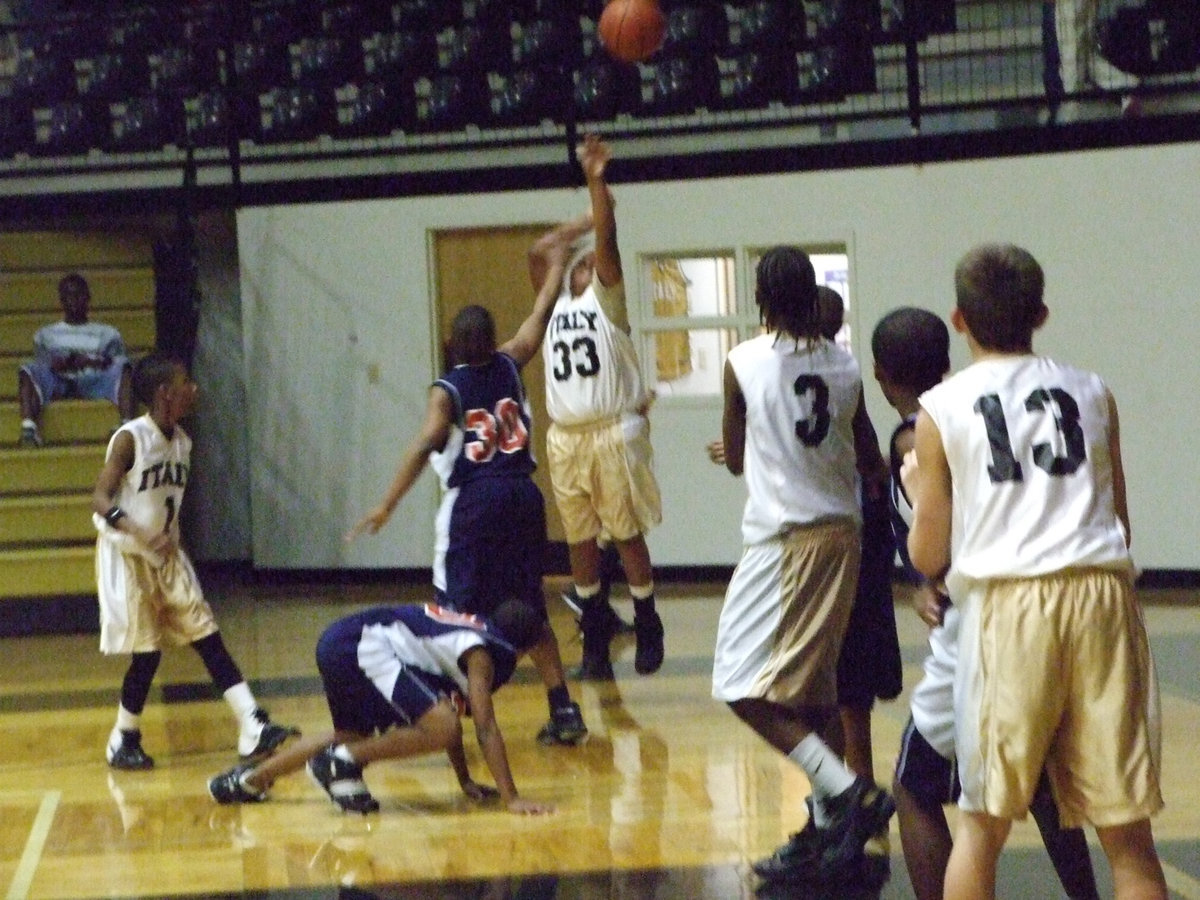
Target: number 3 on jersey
{"x":503,"y":429}
{"x":812,"y":430}
{"x":580,"y":357}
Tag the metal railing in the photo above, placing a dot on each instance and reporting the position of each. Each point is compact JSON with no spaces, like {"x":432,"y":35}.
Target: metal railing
{"x":271,"y":91}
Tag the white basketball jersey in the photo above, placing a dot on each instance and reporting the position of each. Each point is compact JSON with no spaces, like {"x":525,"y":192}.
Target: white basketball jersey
{"x":87,"y":338}
{"x":151,"y":493}
{"x":1027,"y":441}
{"x":592,"y":370}
{"x":799,"y":460}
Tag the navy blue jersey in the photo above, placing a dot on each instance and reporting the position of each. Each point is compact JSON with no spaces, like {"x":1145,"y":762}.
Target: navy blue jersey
{"x":428,"y":638}
{"x":492,"y":423}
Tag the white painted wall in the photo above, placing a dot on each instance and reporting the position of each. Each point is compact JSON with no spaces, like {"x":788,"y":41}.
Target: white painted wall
{"x":330,"y":290}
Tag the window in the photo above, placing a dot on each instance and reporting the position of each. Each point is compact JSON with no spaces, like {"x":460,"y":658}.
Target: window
{"x":696,"y":307}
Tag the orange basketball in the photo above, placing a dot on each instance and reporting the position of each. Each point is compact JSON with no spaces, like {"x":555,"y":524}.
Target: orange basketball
{"x":632,"y":30}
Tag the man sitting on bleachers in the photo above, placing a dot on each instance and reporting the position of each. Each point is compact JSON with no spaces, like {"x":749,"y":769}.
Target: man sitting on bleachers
{"x":73,"y":358}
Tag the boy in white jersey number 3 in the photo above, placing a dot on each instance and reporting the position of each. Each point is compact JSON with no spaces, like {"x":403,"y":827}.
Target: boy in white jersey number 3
{"x":795,"y":425}
{"x":1019,"y":502}
{"x":598,"y":444}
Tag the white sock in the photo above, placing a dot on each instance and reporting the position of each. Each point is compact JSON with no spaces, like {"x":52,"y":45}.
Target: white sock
{"x":341,"y":751}
{"x":241,"y":701}
{"x":642,"y":592}
{"x":127,"y":721}
{"x":243,"y":704}
{"x":588,"y":591}
{"x":28,"y":423}
{"x":826,"y":772}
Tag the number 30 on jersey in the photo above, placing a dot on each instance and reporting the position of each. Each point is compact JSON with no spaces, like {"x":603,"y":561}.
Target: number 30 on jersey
{"x":503,"y":430}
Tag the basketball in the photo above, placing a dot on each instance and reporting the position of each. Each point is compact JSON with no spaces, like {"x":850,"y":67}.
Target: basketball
{"x":632,"y":30}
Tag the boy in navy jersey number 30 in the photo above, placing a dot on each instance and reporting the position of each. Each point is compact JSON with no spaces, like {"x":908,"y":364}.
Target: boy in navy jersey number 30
{"x":491,"y":526}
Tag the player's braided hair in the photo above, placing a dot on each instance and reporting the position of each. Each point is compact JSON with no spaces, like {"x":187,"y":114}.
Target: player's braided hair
{"x":786,"y":293}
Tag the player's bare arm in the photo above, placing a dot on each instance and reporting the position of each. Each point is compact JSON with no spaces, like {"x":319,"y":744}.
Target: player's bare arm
{"x":118,"y":463}
{"x":927,"y":481}
{"x":435,"y":431}
{"x":594,"y":155}
{"x":559,"y":238}
{"x":733,"y":423}
{"x":871,"y":465}
{"x":905,"y":442}
{"x":523,"y":345}
{"x":1120,"y":501}
{"x":458,"y":762}
{"x":480,"y":675}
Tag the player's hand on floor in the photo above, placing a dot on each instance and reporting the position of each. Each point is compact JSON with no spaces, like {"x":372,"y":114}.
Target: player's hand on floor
{"x":479,"y":792}
{"x":523,"y":807}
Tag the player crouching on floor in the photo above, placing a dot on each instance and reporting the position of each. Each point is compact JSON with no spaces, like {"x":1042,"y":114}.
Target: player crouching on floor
{"x":396,"y":679}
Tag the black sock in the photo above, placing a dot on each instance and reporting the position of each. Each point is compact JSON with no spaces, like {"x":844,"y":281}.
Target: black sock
{"x":1067,"y":846}
{"x":558,"y":697}
{"x":643,"y":607}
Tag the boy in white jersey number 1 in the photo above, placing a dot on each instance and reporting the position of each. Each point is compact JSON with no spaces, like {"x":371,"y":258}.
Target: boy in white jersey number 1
{"x":1019,"y":502}
{"x":148,"y":591}
{"x":598,"y":444}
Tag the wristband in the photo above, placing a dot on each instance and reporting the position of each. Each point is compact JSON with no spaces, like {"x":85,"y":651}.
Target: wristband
{"x":114,"y":515}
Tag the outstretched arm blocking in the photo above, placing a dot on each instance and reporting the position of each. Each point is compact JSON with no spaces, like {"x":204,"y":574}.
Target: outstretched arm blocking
{"x":594,"y":155}
{"x":556,"y":241}
{"x":523,"y":345}
{"x":435,"y":431}
{"x":926,"y":475}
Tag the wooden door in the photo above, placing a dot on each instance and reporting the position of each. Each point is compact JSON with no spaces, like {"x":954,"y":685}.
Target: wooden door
{"x":488,"y":266}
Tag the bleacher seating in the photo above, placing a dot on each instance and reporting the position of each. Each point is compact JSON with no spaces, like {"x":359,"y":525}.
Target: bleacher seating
{"x":46,"y":534}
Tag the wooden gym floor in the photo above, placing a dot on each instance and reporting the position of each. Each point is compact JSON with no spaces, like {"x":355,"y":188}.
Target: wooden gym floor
{"x":669,"y":797}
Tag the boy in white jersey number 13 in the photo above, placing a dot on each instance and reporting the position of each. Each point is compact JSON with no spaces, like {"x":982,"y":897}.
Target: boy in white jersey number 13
{"x":1019,"y":501}
{"x":598,"y":444}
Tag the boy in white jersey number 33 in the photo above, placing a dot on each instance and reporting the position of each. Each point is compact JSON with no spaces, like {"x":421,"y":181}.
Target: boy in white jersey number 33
{"x":598,"y":444}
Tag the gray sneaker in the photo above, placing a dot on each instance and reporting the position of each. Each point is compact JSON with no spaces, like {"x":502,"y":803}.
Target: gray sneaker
{"x":230,"y":786}
{"x":342,"y":780}
{"x":270,"y":736}
{"x":565,"y":726}
{"x":128,"y":755}
{"x":30,"y":437}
